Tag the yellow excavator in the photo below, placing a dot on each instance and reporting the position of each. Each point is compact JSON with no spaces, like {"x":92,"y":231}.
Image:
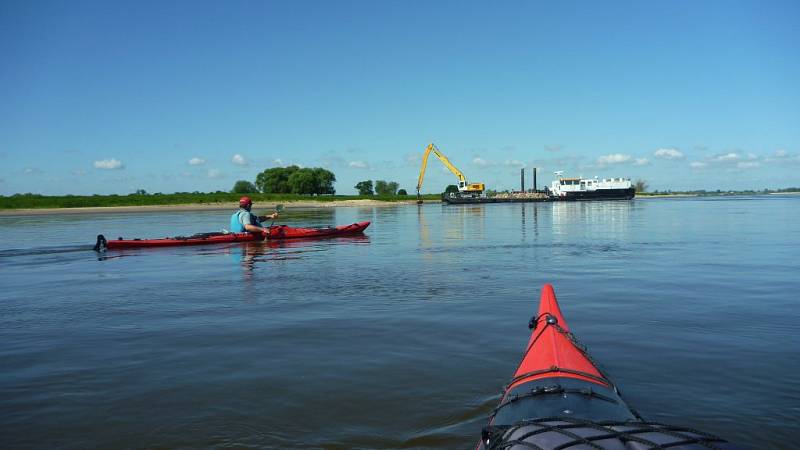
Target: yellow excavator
{"x":464,"y":188}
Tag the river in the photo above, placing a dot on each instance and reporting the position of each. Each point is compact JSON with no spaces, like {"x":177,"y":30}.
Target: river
{"x":402,"y":338}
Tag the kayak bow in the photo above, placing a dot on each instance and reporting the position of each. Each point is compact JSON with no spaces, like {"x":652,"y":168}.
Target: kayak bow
{"x":559,"y":398}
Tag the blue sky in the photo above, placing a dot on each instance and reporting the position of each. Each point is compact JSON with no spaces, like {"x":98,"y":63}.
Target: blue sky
{"x":109,"y":97}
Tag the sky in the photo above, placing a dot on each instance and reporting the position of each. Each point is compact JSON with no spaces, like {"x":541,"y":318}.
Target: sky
{"x":108,"y":97}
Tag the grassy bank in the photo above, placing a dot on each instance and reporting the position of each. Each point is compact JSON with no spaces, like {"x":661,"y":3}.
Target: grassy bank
{"x":34,"y":201}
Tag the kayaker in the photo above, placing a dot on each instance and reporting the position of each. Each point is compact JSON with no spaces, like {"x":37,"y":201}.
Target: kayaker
{"x":243,"y":220}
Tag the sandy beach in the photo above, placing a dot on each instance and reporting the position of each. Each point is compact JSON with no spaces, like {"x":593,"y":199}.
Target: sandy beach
{"x":197,"y":207}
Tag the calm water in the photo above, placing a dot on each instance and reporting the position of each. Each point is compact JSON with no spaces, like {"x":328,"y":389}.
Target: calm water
{"x":400,"y":339}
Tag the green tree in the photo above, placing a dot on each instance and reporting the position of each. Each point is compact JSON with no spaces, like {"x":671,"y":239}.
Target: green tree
{"x":640,"y":186}
{"x":364,"y":187}
{"x":450,"y":188}
{"x":275,"y":180}
{"x":386,"y":187}
{"x":244,"y":187}
{"x":324,"y":181}
{"x":302,"y":181}
{"x":293,"y":179}
{"x":402,"y":192}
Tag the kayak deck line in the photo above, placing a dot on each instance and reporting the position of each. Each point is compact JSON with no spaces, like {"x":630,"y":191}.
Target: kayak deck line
{"x":559,"y":398}
{"x":568,"y":432}
{"x":555,"y":389}
{"x":588,"y":372}
{"x":554,"y":362}
{"x":530,"y":376}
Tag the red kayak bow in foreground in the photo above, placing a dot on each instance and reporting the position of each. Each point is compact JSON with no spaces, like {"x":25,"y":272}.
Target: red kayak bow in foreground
{"x":278,"y":232}
{"x":559,"y":398}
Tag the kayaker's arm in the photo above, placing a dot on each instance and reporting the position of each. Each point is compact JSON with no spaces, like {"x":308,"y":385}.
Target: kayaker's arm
{"x":255,"y":228}
{"x":260,"y":229}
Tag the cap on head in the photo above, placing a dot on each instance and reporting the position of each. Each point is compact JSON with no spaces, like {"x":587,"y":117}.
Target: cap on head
{"x":245,"y":201}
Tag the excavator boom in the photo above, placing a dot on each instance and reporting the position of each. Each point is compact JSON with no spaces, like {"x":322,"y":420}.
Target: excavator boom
{"x":463,"y":186}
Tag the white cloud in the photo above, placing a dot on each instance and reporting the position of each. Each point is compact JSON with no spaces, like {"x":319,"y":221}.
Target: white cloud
{"x":214,"y":173}
{"x":332,"y":158}
{"x":197,"y":161}
{"x":553,"y":148}
{"x":514,"y":163}
{"x":641,"y":162}
{"x":480,"y":162}
{"x":615,"y":158}
{"x":782,"y":156}
{"x":748,"y":164}
{"x":239,"y":160}
{"x":109,"y":164}
{"x":277,"y":161}
{"x":727,"y":157}
{"x":697,"y":165}
{"x":32,"y":171}
{"x":412,"y":159}
{"x":358,"y":165}
{"x":668,"y":153}
{"x":79,"y":172}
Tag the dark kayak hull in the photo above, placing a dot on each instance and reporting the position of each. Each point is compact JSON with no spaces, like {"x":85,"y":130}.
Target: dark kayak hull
{"x":279,"y":232}
{"x":559,"y":398}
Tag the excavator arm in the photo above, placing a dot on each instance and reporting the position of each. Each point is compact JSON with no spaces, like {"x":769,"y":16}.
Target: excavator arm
{"x":432,"y":148}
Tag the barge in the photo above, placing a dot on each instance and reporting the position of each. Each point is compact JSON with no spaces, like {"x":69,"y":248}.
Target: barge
{"x":514,"y":197}
{"x":561,"y":189}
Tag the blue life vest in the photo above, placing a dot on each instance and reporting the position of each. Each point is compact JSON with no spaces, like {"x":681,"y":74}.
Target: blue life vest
{"x":236,"y":224}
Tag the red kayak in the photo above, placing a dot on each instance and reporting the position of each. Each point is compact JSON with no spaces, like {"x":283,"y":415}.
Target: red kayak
{"x":559,"y":398}
{"x":275,"y":233}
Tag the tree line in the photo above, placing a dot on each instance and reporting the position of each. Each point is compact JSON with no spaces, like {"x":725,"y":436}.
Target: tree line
{"x":309,"y":181}
{"x":381,"y":187}
{"x":290,"y":180}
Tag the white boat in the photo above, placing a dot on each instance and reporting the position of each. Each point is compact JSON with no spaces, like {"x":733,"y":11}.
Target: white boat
{"x":590,"y":188}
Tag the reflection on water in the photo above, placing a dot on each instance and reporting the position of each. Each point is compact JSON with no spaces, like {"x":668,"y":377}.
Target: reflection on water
{"x":609,"y":218}
{"x":464,"y":221}
{"x":250,"y":254}
{"x":424,"y":232}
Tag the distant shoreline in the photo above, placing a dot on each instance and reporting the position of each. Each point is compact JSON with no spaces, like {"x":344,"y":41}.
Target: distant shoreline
{"x":258,"y":206}
{"x":263,"y":205}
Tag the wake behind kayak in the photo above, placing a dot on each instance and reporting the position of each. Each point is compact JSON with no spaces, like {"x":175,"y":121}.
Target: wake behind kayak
{"x":277,"y":232}
{"x":559,"y":398}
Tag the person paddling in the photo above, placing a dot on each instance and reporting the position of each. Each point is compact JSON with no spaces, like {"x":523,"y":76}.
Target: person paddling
{"x":243,"y":220}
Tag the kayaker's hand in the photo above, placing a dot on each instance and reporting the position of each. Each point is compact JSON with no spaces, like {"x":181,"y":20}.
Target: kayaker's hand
{"x":265,"y":218}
